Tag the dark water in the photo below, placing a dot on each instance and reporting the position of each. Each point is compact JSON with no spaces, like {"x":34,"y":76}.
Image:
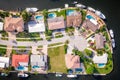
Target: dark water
{"x":109,"y":7}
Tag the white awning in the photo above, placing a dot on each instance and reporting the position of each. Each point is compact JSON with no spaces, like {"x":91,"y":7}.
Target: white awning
{"x":1,"y":26}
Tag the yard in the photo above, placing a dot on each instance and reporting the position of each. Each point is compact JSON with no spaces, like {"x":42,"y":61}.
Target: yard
{"x":57,"y":59}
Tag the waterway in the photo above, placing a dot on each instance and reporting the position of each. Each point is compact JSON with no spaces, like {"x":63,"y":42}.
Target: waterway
{"x":109,"y":7}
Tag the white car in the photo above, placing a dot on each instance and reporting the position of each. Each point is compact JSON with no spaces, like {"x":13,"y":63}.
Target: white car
{"x":111,"y":33}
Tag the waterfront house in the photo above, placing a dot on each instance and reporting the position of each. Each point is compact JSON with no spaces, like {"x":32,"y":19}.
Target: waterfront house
{"x":100,"y":60}
{"x":72,"y":61}
{"x":34,"y":26}
{"x":20,"y":62}
{"x":38,"y":62}
{"x":1,"y":26}
{"x":56,"y":23}
{"x":4,"y":62}
{"x":14,"y":24}
{"x":88,"y":25}
{"x":99,"y":41}
{"x":74,"y":19}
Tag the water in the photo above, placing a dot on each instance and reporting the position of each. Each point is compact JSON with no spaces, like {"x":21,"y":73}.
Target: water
{"x":90,"y":17}
{"x":109,"y":8}
{"x":69,"y":12}
{"x":51,"y":15}
{"x":39,"y":17}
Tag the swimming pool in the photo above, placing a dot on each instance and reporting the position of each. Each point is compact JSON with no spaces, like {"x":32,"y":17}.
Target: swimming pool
{"x":38,"y":17}
{"x":35,"y":66}
{"x":20,"y":68}
{"x":90,"y":17}
{"x":69,"y":12}
{"x":51,"y":15}
{"x":101,"y":65}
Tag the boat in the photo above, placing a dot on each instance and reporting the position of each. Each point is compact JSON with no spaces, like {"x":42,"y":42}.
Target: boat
{"x":75,"y":2}
{"x":111,"y":33}
{"x":80,"y":5}
{"x":32,"y":9}
{"x":91,"y":9}
{"x":71,"y":76}
{"x":3,"y":74}
{"x":113,"y":43}
{"x":22,"y":75}
{"x":58,"y":74}
{"x":100,"y":14}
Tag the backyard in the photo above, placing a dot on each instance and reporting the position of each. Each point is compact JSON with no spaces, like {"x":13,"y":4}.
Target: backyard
{"x":57,"y":59}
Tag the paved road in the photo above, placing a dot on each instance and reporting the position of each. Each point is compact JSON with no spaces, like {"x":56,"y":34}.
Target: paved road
{"x":30,"y":43}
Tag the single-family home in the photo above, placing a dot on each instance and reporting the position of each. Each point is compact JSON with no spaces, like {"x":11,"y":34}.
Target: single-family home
{"x":72,"y":61}
{"x":4,"y":62}
{"x":38,"y":62}
{"x":74,"y":19}
{"x":34,"y":26}
{"x":99,"y":41}
{"x":100,"y":60}
{"x":14,"y":24}
{"x":56,"y":23}
{"x":20,"y":62}
{"x":89,"y":25}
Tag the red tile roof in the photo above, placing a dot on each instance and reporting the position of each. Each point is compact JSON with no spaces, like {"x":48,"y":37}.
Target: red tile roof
{"x":74,"y":20}
{"x":72,"y":61}
{"x":56,"y":23}
{"x":12,"y":24}
{"x":19,"y":58}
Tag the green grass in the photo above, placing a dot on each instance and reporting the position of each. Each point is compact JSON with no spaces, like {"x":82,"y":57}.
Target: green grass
{"x":55,"y":44}
{"x":2,"y":52}
{"x":57,"y":59}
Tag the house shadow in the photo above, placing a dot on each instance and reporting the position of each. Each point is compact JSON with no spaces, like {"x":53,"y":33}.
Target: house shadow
{"x":49,"y":65}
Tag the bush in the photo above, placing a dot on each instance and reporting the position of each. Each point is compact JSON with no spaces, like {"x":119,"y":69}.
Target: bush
{"x":90,"y":69}
{"x":88,"y":52}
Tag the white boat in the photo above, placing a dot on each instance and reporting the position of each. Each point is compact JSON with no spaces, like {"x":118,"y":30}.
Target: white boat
{"x":111,"y":33}
{"x":113,"y":43}
{"x":22,"y":75}
{"x":58,"y":74}
{"x":91,"y":9}
{"x":71,"y":76}
{"x":33,"y":9}
{"x":80,"y":5}
{"x":100,"y":14}
{"x":75,"y":2}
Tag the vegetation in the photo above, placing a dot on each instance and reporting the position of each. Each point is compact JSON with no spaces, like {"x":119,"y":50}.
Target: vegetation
{"x":90,"y":69}
{"x":62,"y":13}
{"x":57,"y":59}
{"x":83,"y":14}
{"x":2,"y":51}
{"x":48,"y":38}
{"x":4,"y":14}
{"x":48,"y":32}
{"x":26,"y":16}
{"x":88,"y":52}
{"x":55,"y":44}
{"x":4,"y":33}
{"x":45,"y":13}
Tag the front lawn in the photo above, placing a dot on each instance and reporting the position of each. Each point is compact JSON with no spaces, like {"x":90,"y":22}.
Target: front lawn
{"x":57,"y":59}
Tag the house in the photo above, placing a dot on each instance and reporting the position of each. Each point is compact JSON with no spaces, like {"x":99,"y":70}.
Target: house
{"x":4,"y":62}
{"x":88,"y":25}
{"x":14,"y":24}
{"x":74,"y":20}
{"x":1,"y":26}
{"x":56,"y":23}
{"x":100,"y":59}
{"x":72,"y":61}
{"x":20,"y":62}
{"x":38,"y":62}
{"x":34,"y":26}
{"x":99,"y":41}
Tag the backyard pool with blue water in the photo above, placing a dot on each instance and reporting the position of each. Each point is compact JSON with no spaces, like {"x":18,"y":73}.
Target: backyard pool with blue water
{"x":101,"y":65}
{"x":69,"y":12}
{"x":51,"y":15}
{"x":90,"y":17}
{"x":20,"y":68}
{"x":38,"y":17}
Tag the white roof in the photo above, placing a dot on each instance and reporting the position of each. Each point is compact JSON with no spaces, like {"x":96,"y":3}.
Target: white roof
{"x":1,"y":26}
{"x":93,"y":21}
{"x":36,"y":27}
{"x":2,"y":65}
{"x":4,"y":59}
{"x":100,"y":59}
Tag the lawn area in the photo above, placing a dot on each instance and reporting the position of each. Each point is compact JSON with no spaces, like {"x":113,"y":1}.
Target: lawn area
{"x":57,"y":59}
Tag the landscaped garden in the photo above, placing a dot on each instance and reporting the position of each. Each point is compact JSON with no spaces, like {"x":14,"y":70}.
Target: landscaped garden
{"x":57,"y":59}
